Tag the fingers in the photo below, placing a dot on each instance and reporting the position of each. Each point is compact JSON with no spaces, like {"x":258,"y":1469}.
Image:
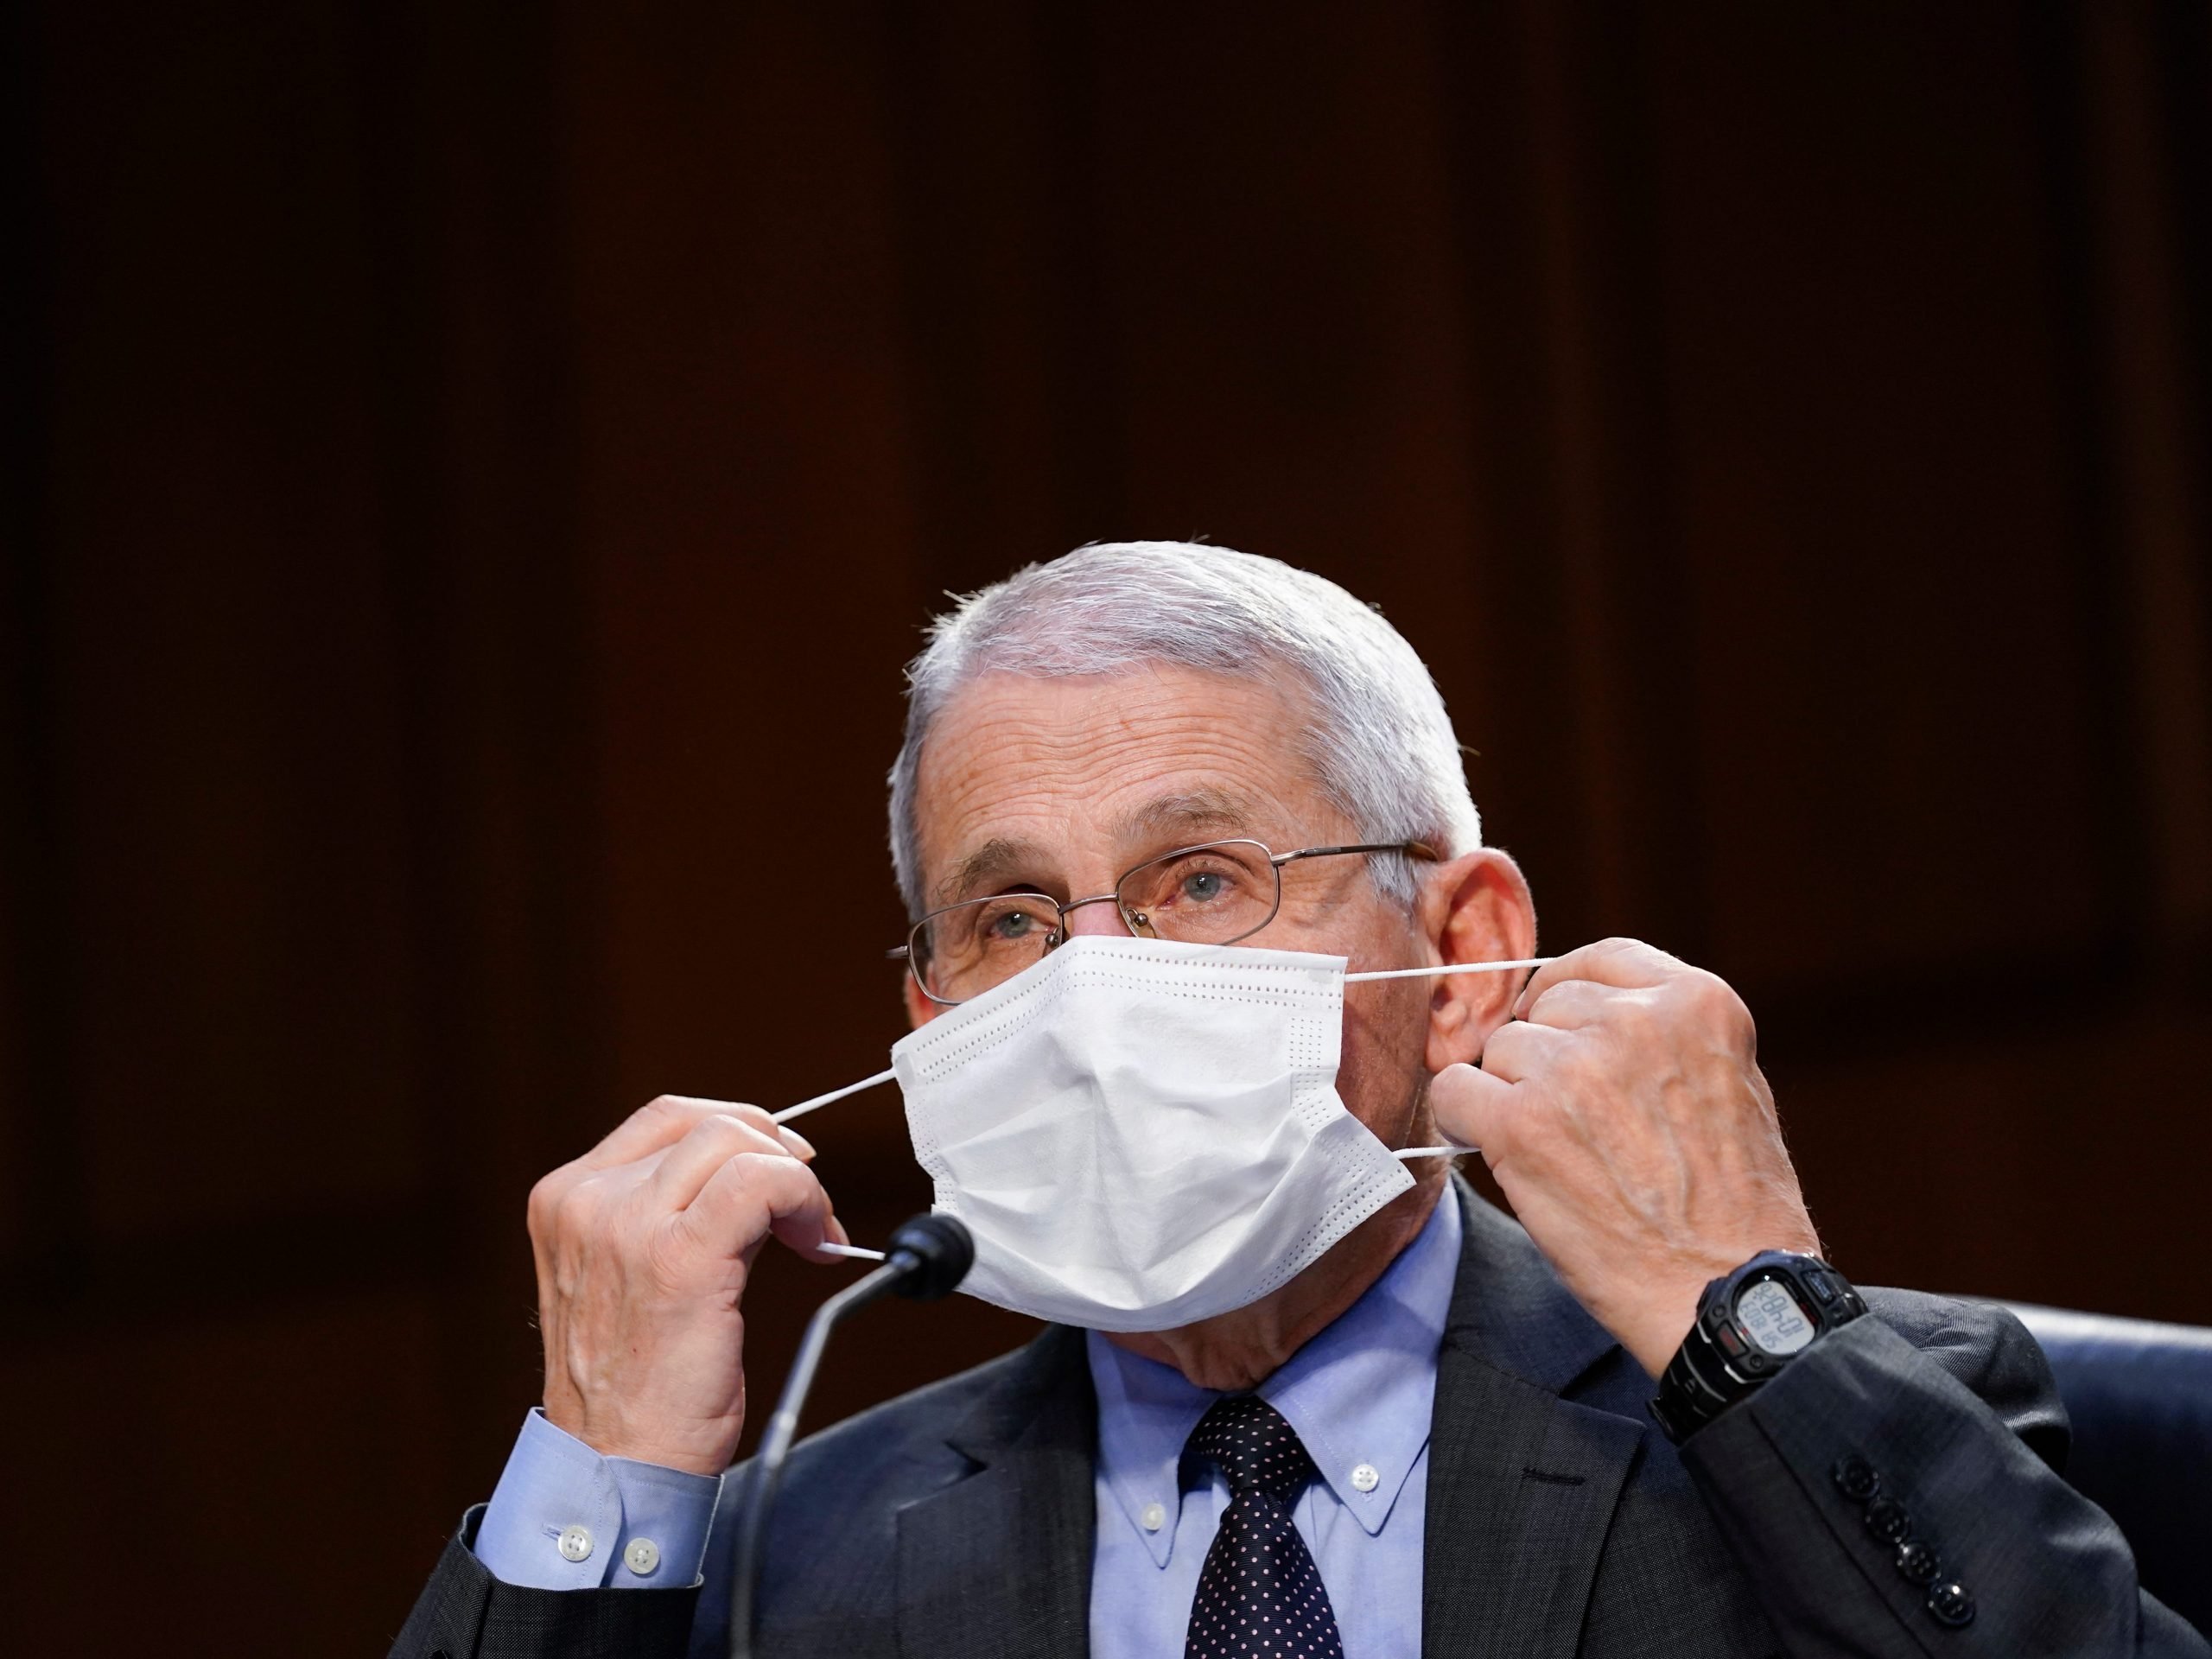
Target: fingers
{"x":1469,"y":1104}
{"x":752,"y":1194}
{"x":660,"y":1123}
{"x":711,"y":1143}
{"x":1570,"y":1003}
{"x":1518,"y":1049}
{"x":833,"y":1233}
{"x":1475,"y":1106}
{"x":1626,"y":963}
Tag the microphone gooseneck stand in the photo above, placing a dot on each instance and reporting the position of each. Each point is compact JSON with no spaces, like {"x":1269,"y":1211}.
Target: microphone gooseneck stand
{"x":928,"y":1258}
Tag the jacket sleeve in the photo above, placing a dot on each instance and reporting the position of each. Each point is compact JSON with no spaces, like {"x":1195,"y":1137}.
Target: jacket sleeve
{"x":1896,"y":1491}
{"x":465,"y":1613}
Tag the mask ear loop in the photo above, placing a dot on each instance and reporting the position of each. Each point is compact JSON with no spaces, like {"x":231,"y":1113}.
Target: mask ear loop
{"x":852,"y":1252}
{"x":806,"y":1106}
{"x":1408,"y":1153}
{"x":1451,"y":968}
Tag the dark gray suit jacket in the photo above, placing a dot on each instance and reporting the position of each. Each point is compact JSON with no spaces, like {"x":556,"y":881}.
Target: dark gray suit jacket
{"x":958,"y":1520}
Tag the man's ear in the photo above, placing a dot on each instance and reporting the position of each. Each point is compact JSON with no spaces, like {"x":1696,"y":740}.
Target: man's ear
{"x":919,"y":1009}
{"x":1476,"y":908}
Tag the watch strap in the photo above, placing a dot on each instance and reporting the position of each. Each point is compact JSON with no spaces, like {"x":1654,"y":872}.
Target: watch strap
{"x":1718,"y":1363}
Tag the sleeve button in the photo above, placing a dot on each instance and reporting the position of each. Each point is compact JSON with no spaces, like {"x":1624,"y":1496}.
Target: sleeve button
{"x":1951,"y":1604}
{"x":642,"y":1557}
{"x":575,"y":1543}
{"x":1888,"y":1520}
{"x":1855,"y":1479}
{"x":1917,"y":1561}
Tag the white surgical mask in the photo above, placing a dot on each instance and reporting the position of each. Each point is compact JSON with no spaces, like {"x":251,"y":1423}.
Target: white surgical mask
{"x":1142,"y":1134}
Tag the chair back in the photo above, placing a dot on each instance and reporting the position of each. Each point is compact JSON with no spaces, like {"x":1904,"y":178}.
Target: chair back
{"x":2141,"y":1396}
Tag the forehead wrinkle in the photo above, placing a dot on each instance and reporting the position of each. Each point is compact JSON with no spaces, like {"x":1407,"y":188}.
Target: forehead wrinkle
{"x":1203,"y":810}
{"x":1027,"y":761}
{"x":1186,"y":811}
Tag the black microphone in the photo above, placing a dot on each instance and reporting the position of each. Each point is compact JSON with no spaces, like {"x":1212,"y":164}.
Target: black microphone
{"x":933,"y":1254}
{"x":928,"y":1258}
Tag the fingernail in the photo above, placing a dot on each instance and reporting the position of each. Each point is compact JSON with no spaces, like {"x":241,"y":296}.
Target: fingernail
{"x":800,"y":1146}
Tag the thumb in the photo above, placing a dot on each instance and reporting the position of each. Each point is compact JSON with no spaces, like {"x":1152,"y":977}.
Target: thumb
{"x":1469,"y":1104}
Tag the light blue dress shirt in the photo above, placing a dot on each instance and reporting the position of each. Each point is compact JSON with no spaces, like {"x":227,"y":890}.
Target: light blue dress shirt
{"x":564,"y":1517}
{"x":1359,"y":1394}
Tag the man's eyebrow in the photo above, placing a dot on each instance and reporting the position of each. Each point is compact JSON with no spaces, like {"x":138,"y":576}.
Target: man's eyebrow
{"x":1188,"y":812}
{"x":989,"y":864}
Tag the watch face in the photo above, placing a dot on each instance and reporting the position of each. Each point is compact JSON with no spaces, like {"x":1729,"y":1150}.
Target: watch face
{"x":1772,"y":1317}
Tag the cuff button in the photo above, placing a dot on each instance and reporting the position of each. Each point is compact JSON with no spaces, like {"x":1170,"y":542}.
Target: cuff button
{"x":1918,"y":1562}
{"x":1855,"y":1479}
{"x":642,"y":1557}
{"x":1888,"y":1520}
{"x":575,"y":1543}
{"x":1951,"y":1604}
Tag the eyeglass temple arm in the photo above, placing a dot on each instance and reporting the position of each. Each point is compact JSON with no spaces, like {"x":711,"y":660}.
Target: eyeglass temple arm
{"x":1411,"y":848}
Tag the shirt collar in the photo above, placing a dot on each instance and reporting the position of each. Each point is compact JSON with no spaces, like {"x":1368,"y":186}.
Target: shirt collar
{"x":1359,"y":1395}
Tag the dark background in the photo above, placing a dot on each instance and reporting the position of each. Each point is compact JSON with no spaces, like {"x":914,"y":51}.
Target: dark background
{"x":478,"y":473}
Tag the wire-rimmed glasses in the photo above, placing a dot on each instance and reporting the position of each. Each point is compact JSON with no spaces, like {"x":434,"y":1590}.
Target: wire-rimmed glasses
{"x":1217,"y":892}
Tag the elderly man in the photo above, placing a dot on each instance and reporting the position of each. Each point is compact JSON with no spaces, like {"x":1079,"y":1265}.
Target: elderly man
{"x":1159,"y":807}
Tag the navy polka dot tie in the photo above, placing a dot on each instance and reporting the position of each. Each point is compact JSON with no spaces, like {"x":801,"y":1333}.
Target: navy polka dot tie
{"x":1259,"y":1593}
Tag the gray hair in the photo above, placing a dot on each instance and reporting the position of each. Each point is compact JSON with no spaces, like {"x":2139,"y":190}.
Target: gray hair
{"x":1382,"y":745}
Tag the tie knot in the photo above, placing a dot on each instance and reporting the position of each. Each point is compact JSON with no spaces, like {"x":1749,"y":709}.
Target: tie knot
{"x":1254,"y":1449}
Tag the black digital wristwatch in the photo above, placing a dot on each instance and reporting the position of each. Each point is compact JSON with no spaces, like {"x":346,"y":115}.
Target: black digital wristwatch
{"x":1751,"y":1323}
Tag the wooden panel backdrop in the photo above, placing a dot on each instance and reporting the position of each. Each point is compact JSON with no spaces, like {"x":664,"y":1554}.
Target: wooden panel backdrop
{"x":480,"y":473}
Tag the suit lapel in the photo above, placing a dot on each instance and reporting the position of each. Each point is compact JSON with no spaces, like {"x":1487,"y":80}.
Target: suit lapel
{"x":1522,"y":1484}
{"x":997,"y":1565}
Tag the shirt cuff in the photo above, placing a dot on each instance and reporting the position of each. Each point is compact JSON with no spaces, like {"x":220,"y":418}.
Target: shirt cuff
{"x":565,"y":1518}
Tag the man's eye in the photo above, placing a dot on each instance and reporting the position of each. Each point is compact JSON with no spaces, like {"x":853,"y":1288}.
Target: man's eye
{"x":1012,"y":926}
{"x":1204,"y":887}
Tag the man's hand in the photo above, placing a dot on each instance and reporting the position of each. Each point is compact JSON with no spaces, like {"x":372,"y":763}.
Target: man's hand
{"x":644,"y":1245}
{"x":1623,"y":1113}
